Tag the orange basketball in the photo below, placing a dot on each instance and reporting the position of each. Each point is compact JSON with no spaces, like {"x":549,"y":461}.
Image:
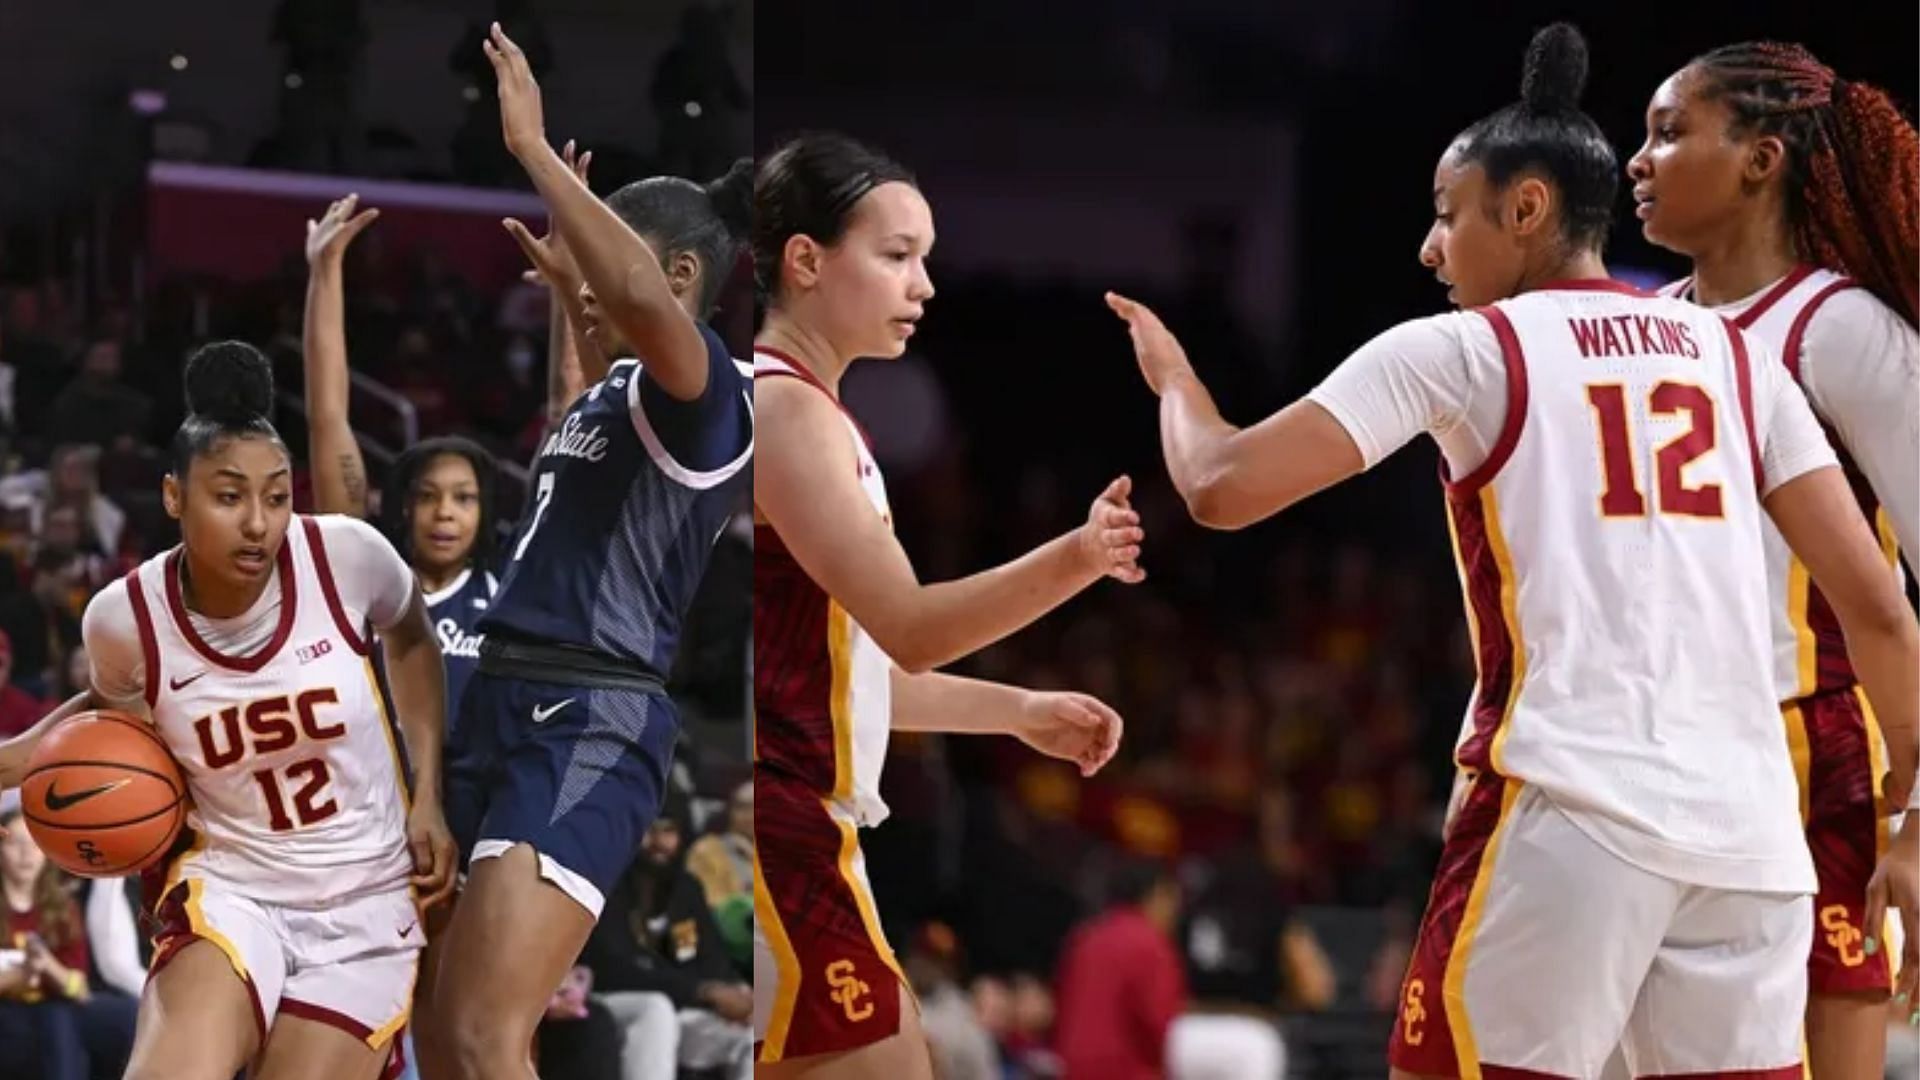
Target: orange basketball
{"x":103,"y":797}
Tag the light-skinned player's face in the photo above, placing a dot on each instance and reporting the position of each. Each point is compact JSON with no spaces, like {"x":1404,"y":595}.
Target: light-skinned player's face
{"x":234,"y":508}
{"x":1694,"y":178}
{"x":20,"y":858}
{"x":1467,"y":248}
{"x":873,"y":285}
{"x":446,"y":513}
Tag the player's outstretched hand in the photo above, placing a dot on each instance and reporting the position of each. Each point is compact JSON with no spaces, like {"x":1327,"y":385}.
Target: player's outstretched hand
{"x":1154,"y":346}
{"x":553,"y":263}
{"x":1896,"y":885}
{"x":1069,"y":726}
{"x":1110,"y":540}
{"x":328,"y":238}
{"x":433,"y":853}
{"x":522,"y":123}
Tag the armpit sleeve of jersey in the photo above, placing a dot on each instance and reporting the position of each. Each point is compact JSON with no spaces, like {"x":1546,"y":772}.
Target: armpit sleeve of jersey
{"x":372,"y":578}
{"x":112,"y":637}
{"x":699,"y":436}
{"x":1860,"y":363}
{"x":1411,"y":379}
{"x":1791,"y":442}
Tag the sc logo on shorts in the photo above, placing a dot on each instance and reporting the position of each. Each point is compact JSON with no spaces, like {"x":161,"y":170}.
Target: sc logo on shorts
{"x":848,"y":992}
{"x":1842,"y":935}
{"x":1413,"y":1014}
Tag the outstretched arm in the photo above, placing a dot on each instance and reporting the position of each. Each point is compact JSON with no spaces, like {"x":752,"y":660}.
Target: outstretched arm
{"x":1232,"y":477}
{"x":623,"y":270}
{"x":339,"y":472}
{"x":806,"y":485}
{"x":1068,"y":726}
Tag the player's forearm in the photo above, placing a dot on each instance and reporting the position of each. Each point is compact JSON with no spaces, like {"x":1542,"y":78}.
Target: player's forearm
{"x":1194,"y":440}
{"x":625,"y":274}
{"x":932,"y":701}
{"x":339,"y":473}
{"x":1885,"y":650}
{"x":565,"y":383}
{"x":418,"y":675}
{"x":952,"y":619}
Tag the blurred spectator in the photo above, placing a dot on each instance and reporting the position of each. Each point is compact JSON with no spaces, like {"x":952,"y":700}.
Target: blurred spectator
{"x":319,"y":121}
{"x":579,"y":1039}
{"x":47,"y":1017}
{"x":723,"y":862}
{"x":67,"y":569}
{"x":70,"y":677}
{"x":72,"y":479}
{"x":95,"y":406}
{"x":694,"y":90}
{"x":659,"y":966}
{"x":1121,"y":983}
{"x":962,"y":1047}
{"x":38,"y":364}
{"x":19,"y":710}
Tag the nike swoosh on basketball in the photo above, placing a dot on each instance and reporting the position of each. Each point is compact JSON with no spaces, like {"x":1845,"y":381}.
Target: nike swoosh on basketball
{"x":57,"y":802}
{"x":540,"y":715}
{"x":189,"y":680}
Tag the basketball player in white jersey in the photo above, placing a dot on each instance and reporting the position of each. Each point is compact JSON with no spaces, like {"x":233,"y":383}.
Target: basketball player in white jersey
{"x":1774,"y":175}
{"x":845,"y":635}
{"x":1607,"y":456}
{"x":289,"y":922}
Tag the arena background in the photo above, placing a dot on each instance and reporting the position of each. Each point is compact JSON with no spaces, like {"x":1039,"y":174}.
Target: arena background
{"x":1260,"y":173}
{"x":157,"y":165}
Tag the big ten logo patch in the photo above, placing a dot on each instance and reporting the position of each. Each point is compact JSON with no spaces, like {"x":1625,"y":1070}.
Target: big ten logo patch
{"x":1413,"y":1012}
{"x":309,"y":653}
{"x":851,"y":994}
{"x":1844,"y":937}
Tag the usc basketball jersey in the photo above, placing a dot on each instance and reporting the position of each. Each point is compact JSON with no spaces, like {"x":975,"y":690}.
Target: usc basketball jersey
{"x":291,"y":760}
{"x":821,"y":686}
{"x":1611,"y":449}
{"x":1809,"y":650}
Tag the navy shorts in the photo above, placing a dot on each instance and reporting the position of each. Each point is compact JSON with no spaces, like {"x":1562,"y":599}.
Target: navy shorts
{"x":577,"y":773}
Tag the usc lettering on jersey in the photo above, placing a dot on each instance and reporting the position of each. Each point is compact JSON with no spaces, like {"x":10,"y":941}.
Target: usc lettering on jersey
{"x":292,"y":762}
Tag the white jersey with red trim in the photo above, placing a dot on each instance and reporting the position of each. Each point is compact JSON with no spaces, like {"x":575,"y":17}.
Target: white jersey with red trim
{"x":1611,"y":553}
{"x":823,"y":697}
{"x":291,"y":761}
{"x":1809,"y":649}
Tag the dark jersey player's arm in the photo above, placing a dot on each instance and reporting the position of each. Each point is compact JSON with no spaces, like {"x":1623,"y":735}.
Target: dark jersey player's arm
{"x":339,"y":471}
{"x":626,"y":277}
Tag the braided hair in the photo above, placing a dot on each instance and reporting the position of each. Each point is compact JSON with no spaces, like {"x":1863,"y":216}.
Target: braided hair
{"x":1853,"y":162}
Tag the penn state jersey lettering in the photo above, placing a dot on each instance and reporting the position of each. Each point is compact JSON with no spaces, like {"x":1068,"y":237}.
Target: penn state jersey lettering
{"x":455,"y":613}
{"x":630,"y":494}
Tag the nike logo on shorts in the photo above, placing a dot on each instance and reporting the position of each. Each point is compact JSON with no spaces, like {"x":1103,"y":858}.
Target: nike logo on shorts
{"x":541,"y":715}
{"x":57,"y":802}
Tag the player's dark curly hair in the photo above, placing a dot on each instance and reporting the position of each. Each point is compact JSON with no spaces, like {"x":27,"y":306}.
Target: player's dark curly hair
{"x":403,"y":486}
{"x":229,"y":388}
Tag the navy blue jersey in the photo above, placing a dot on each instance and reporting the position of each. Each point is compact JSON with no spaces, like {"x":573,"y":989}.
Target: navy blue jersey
{"x":455,"y":613}
{"x":630,"y":494}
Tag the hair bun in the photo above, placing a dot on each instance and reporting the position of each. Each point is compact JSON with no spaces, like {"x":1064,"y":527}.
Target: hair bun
{"x":229,"y":381}
{"x":732,"y":197}
{"x":1555,"y":71}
